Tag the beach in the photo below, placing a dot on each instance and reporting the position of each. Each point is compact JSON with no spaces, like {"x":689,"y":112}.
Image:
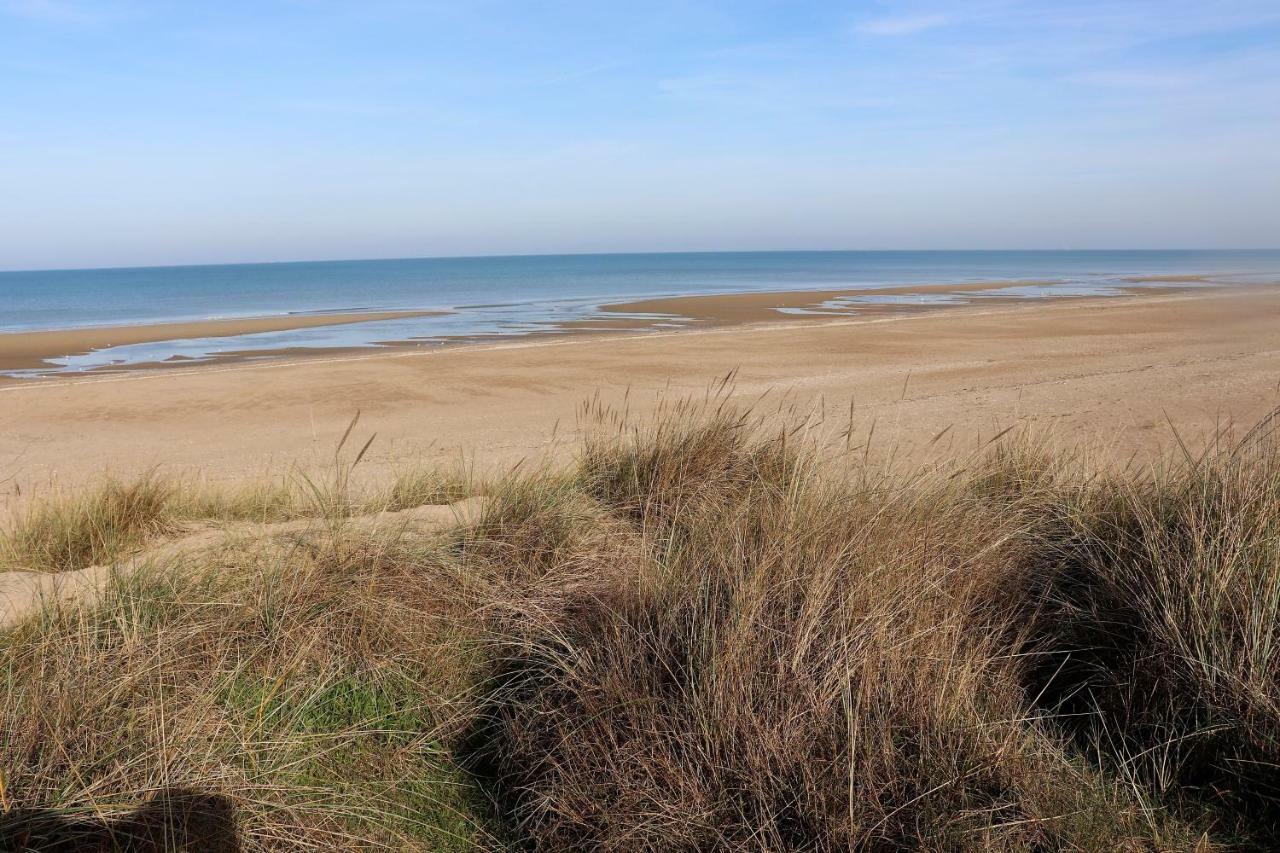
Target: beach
{"x":727,"y":427}
{"x":1116,"y":371}
{"x":70,"y":323}
{"x":100,"y":349}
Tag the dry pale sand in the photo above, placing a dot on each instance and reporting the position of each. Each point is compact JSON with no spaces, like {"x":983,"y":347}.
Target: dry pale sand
{"x":24,"y":350}
{"x":1119,"y":369}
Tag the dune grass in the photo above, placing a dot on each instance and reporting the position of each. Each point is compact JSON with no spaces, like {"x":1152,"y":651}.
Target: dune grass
{"x":753,"y":657}
{"x":417,"y":486}
{"x":72,"y":533}
{"x":115,"y":517}
{"x":709,"y":633}
{"x":309,"y":683}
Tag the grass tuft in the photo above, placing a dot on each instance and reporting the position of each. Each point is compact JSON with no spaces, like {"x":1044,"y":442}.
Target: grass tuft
{"x":89,"y":529}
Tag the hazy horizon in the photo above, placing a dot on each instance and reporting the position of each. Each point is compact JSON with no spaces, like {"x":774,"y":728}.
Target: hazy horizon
{"x":1193,"y":250}
{"x":139,"y":133}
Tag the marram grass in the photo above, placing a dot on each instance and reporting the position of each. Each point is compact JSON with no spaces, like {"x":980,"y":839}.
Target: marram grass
{"x":708,"y":633}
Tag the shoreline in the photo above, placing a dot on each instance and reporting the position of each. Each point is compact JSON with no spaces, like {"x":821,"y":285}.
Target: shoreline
{"x":31,"y":351}
{"x":1096,"y":368}
{"x":23,"y":350}
{"x":401,"y":350}
{"x":729,"y":309}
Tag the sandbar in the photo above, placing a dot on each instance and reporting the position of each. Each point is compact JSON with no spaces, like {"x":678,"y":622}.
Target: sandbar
{"x":722,"y":309}
{"x":27,"y":350}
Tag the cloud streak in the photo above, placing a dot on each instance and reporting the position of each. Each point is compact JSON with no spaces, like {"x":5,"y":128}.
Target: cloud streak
{"x":49,"y":11}
{"x":902,"y":26}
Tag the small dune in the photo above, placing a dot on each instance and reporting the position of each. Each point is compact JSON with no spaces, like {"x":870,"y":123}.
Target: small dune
{"x":23,"y":593}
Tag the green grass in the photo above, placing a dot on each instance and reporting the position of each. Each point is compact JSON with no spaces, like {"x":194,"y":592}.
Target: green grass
{"x":421,"y":486}
{"x":90,"y":528}
{"x":307,"y":685}
{"x":418,"y":795}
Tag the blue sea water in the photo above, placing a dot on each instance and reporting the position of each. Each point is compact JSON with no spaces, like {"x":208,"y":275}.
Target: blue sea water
{"x":523,"y":295}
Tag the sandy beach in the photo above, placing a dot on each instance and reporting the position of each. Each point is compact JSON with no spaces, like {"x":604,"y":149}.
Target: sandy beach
{"x":31,"y":351}
{"x":667,"y":426}
{"x":1112,"y":368}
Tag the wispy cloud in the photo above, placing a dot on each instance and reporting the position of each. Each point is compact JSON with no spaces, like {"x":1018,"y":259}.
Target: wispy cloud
{"x":1134,"y":79}
{"x":52,"y":11}
{"x":577,"y":74}
{"x":798,"y":91}
{"x":902,"y":26}
{"x":325,"y":106}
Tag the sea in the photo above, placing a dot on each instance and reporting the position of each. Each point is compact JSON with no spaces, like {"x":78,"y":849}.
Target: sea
{"x":486,"y":297}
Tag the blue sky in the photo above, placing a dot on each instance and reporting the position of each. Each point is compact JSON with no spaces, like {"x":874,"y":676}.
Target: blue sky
{"x":135,"y":132}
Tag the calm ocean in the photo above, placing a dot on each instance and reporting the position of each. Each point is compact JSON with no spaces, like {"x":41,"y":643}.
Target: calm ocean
{"x":522,"y":295}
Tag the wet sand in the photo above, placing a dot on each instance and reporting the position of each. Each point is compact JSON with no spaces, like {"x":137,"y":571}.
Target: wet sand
{"x":30,"y":350}
{"x":1112,"y":370}
{"x":725,"y":309}
{"x":26,"y":350}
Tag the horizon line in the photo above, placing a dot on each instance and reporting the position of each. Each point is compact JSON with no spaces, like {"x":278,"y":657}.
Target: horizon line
{"x":513,"y":255}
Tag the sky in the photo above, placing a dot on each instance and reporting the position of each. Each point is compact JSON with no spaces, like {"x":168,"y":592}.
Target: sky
{"x":140,"y":132}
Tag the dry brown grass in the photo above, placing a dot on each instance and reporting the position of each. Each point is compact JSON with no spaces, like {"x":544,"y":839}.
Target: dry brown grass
{"x":764,"y":659}
{"x":709,"y":635}
{"x":1158,"y":631}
